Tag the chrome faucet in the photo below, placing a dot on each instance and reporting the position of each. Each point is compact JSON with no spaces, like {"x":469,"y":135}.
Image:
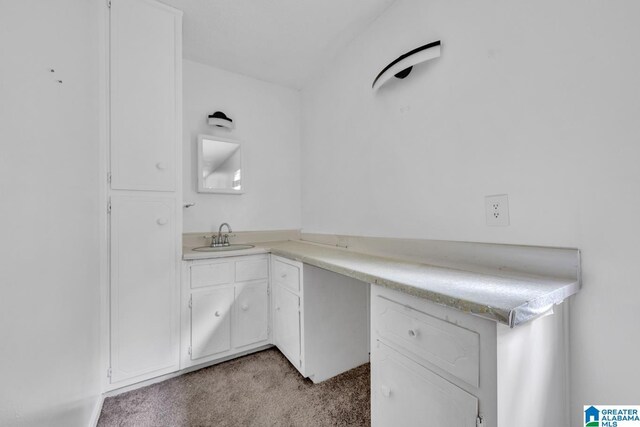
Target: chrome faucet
{"x":220,"y":239}
{"x":224,"y":242}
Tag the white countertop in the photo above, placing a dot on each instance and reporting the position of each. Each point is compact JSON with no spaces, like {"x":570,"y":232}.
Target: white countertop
{"x":507,"y":297}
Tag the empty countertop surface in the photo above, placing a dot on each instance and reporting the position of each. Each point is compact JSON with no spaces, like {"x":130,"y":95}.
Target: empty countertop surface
{"x":507,"y":297}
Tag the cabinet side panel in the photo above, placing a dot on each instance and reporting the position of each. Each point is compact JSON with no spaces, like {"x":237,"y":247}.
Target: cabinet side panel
{"x":336,"y":323}
{"x":532,"y":373}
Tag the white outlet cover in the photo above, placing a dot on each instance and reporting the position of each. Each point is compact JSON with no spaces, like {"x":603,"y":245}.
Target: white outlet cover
{"x":497,"y":210}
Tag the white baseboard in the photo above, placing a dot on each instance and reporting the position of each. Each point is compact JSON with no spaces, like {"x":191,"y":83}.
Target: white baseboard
{"x":97,"y":409}
{"x":130,"y":387}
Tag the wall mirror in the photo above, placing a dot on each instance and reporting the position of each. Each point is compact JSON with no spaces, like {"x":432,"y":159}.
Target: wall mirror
{"x":219,"y":165}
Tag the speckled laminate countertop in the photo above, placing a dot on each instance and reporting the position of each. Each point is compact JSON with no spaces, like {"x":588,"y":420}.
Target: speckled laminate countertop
{"x":506,"y":297}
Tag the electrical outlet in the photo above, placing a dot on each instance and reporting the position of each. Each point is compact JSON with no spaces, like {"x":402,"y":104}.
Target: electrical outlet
{"x":497,"y":209}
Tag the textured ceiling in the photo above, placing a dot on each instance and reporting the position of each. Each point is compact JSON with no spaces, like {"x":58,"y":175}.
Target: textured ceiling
{"x":281,"y":41}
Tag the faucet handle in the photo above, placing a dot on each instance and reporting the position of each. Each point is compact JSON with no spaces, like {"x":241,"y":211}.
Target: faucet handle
{"x":213,"y":237}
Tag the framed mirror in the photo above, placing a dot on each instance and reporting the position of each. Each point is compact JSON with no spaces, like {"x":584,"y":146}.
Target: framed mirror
{"x":219,"y":165}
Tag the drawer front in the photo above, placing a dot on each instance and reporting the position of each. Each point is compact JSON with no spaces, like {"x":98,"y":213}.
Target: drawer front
{"x":253,"y":269}
{"x":449,"y":347}
{"x":286,"y":274}
{"x":404,"y":393}
{"x":220,"y":273}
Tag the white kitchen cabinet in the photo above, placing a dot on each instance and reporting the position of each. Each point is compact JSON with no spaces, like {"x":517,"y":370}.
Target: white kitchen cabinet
{"x":143,"y":317}
{"x":430,"y":362}
{"x":145,"y":64}
{"x":211,"y":321}
{"x":225,"y":309}
{"x":409,"y":394}
{"x":321,"y":320}
{"x":286,"y":322}
{"x":144,"y":190}
{"x":252,"y":313}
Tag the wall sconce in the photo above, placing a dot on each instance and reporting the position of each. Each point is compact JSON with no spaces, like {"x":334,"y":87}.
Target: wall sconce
{"x":221,"y":120}
{"x":402,"y":66}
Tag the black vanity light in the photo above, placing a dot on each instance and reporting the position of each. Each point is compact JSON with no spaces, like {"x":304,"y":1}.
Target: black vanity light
{"x":402,"y":66}
{"x":221,"y":120}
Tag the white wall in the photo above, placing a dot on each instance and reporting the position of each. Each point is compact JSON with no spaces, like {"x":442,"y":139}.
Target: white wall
{"x":267,"y":119}
{"x":539,"y":100}
{"x":49,"y":292}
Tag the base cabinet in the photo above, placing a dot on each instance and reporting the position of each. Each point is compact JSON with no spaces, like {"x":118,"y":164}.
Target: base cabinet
{"x":286,"y":320}
{"x":211,"y":321}
{"x":407,"y":394}
{"x":252,"y":313}
{"x":434,"y":365}
{"x":321,"y":321}
{"x":225,"y":308}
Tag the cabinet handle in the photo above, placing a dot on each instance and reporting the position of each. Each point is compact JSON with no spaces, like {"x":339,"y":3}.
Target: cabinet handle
{"x":413,"y":333}
{"x":277,"y":308}
{"x":162,"y":221}
{"x":386,"y":391}
{"x":283,"y":275}
{"x":217,"y":314}
{"x":244,"y":307}
{"x":161,"y":165}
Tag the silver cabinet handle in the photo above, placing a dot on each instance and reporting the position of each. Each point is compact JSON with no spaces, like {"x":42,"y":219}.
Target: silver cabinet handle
{"x":217,"y":314}
{"x":413,"y":333}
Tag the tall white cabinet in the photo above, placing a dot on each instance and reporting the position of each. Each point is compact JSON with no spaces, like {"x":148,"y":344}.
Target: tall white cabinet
{"x":145,"y":221}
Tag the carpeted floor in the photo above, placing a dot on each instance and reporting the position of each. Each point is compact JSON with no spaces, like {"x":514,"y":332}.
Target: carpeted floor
{"x":261,"y":389}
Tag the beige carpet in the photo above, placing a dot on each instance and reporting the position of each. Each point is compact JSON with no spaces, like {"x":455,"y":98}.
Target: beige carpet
{"x":261,"y":389}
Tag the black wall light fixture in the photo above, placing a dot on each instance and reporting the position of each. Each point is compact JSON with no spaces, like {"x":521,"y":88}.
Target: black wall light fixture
{"x":402,"y":66}
{"x":221,"y":120}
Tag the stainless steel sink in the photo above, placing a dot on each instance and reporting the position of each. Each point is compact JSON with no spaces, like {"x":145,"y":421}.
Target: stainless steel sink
{"x":222,"y":248}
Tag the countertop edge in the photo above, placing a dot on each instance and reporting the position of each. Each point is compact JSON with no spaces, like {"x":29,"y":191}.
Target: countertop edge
{"x":477,"y":309}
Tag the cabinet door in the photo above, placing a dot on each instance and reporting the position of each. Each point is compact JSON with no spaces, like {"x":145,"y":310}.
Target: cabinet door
{"x":211,"y":312}
{"x":145,"y":58}
{"x":252,"y":313}
{"x":144,"y":286}
{"x":407,"y":394}
{"x":286,"y":319}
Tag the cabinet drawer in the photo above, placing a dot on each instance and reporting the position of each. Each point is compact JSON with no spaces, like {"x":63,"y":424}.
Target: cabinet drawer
{"x":449,"y":347}
{"x":407,"y":394}
{"x":286,"y":274}
{"x":253,"y":269}
{"x":219,"y":273}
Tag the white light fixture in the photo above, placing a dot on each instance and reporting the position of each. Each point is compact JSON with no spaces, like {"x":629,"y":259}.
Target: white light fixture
{"x":220,"y":119}
{"x":402,"y":66}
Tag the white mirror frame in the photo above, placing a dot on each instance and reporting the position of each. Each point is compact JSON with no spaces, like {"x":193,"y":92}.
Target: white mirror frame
{"x":201,"y":187}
